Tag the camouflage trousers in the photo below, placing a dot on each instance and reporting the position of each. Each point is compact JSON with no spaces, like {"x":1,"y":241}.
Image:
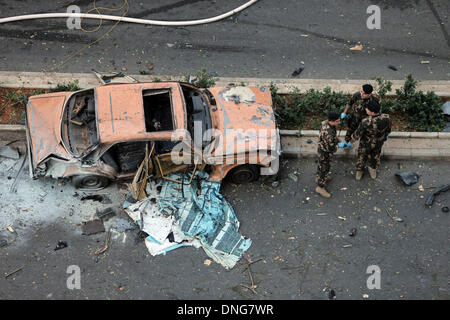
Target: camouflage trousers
{"x":368,"y":154}
{"x":352,"y":124}
{"x":323,"y":168}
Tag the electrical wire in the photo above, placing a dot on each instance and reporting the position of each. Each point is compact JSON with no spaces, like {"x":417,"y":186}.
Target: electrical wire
{"x":119,"y":19}
{"x":127,"y":19}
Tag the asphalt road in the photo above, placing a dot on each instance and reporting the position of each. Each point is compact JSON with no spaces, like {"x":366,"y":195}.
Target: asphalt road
{"x":270,"y":39}
{"x":303,"y":241}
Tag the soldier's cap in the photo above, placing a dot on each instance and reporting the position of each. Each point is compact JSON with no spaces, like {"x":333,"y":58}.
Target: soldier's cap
{"x":333,"y":116}
{"x":374,"y":106}
{"x":367,"y":88}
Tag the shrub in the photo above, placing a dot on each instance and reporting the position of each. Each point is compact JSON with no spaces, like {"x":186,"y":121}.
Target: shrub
{"x":286,"y":114}
{"x":423,"y":110}
{"x":316,"y":103}
{"x":204,"y":79}
{"x":70,"y":86}
{"x":382,"y":88}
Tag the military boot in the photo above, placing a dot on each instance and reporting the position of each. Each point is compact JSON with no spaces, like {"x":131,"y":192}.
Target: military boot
{"x":359,"y":175}
{"x":373,"y":173}
{"x":324,"y":193}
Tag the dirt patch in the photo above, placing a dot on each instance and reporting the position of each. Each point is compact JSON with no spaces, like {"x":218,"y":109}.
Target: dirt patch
{"x":13,"y":102}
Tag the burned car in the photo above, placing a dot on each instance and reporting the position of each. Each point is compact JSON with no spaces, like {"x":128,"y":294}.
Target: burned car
{"x":101,"y":134}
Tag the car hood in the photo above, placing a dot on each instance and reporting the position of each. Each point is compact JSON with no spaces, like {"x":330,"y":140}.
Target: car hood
{"x":44,"y":126}
{"x":240,"y":113}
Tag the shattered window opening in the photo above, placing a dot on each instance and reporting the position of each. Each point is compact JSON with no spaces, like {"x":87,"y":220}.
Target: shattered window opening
{"x":79,"y":121}
{"x":197,"y":110}
{"x":158,"y":110}
{"x":125,"y":157}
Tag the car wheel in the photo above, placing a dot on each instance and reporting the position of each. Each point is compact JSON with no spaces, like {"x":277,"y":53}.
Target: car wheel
{"x":244,"y":174}
{"x":90,"y":182}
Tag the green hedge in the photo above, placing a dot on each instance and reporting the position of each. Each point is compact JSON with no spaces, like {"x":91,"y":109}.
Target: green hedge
{"x":422,"y":110}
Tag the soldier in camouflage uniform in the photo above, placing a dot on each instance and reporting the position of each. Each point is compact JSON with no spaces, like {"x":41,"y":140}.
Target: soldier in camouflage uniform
{"x":358,"y":103}
{"x":372,"y":132}
{"x":328,"y":144}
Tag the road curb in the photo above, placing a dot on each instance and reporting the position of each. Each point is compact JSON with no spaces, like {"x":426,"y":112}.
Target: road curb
{"x":46,"y":80}
{"x":295,"y":143}
{"x":401,"y":145}
{"x":303,"y":143}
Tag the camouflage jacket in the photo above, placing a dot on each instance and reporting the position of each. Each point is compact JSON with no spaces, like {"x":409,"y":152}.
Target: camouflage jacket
{"x":358,"y":105}
{"x":327,"y":138}
{"x":373,"y":130}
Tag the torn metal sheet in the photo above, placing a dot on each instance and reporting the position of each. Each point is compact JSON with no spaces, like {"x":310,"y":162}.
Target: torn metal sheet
{"x":202,"y":212}
{"x":162,"y":233}
{"x":92,"y":227}
{"x":190,"y":215}
{"x":110,"y":77}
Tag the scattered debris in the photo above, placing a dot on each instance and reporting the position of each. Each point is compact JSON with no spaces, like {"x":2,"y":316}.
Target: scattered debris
{"x":425,"y":62}
{"x":111,"y":77}
{"x":357,"y":48}
{"x":342,"y":218}
{"x":61,"y":245}
{"x":100,"y":251}
{"x":252,"y":285}
{"x":3,"y":243}
{"x":445,"y":209}
{"x":106,"y":214}
{"x":297,"y":71}
{"x":309,"y":141}
{"x":430,"y":200}
{"x":207,"y":262}
{"x":392,"y":68}
{"x":421,"y":188}
{"x":347,"y":246}
{"x":10,"y":229}
{"x":332,"y":295}
{"x":9,"y":152}
{"x":196,"y":214}
{"x":408,"y":177}
{"x":92,"y":227}
{"x":365,"y":296}
{"x":123,"y":225}
{"x":397,"y":219}
{"x":293,"y":177}
{"x":93,"y":197}
{"x":13,"y":272}
{"x":353,"y":232}
{"x":141,"y":177}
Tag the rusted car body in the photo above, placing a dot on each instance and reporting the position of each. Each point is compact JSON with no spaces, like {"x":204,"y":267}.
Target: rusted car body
{"x":101,"y":134}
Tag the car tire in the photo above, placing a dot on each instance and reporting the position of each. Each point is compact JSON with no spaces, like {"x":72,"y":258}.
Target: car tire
{"x":244,"y":174}
{"x":90,"y":182}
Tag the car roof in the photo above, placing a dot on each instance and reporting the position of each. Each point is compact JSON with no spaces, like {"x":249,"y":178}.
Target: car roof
{"x":120,"y":111}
